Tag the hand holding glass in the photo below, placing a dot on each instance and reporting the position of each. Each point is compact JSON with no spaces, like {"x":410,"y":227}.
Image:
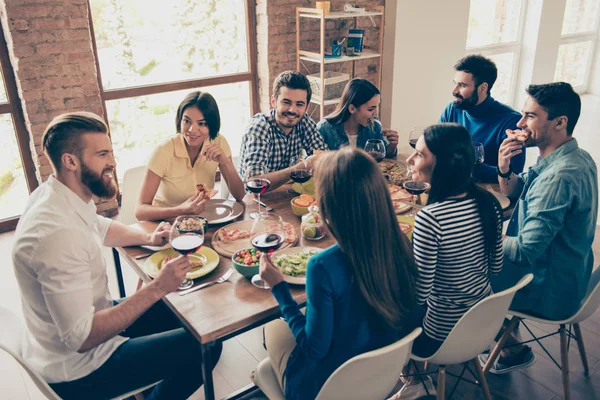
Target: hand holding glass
{"x":186,"y":237}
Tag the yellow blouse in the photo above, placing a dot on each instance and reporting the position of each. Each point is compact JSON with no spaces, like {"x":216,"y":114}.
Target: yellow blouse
{"x":179,"y":178}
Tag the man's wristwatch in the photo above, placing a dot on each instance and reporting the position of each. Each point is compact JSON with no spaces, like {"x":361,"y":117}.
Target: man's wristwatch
{"x":506,"y":175}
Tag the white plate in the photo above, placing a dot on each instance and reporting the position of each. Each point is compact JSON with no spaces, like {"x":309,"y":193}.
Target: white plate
{"x":296,"y":280}
{"x":219,"y":211}
{"x":156,"y":248}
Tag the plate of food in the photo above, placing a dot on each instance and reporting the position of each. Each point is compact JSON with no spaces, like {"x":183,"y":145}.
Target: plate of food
{"x":407,"y":224}
{"x":293,"y":261}
{"x":219,"y":211}
{"x":204,"y":261}
{"x":229,"y":239}
{"x":395,"y":170}
{"x":399,"y":198}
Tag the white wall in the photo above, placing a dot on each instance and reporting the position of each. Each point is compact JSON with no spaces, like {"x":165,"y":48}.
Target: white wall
{"x":430,"y":37}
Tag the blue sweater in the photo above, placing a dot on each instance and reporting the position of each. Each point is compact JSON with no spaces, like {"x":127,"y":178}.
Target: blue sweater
{"x":487,"y":124}
{"x":339,"y":324}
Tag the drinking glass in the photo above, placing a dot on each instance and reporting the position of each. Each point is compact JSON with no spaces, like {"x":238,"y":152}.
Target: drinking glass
{"x":267,"y":234}
{"x":257,"y":183}
{"x":300,"y":170}
{"x":415,"y":188}
{"x":186,"y":237}
{"x":479,"y":153}
{"x":414,"y":135}
{"x":376,"y":149}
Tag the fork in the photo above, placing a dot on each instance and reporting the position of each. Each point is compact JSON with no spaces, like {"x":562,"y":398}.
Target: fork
{"x":222,"y":279}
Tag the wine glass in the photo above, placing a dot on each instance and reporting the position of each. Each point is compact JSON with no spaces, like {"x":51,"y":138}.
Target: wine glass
{"x":376,"y":149}
{"x":414,"y":135}
{"x":257,"y":183}
{"x":300,"y":170}
{"x":267,"y":234}
{"x":415,"y":188}
{"x":186,"y":237}
{"x":479,"y":153}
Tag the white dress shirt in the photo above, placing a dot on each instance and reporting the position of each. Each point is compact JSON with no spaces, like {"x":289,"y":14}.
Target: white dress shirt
{"x":58,"y":262}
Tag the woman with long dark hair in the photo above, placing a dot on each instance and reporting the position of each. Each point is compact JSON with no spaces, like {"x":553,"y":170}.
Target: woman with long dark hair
{"x":186,"y":160}
{"x":457,"y":240}
{"x":354,"y":120}
{"x":360,"y":291}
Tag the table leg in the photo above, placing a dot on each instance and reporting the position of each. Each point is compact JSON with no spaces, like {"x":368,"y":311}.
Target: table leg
{"x":207,"y":367}
{"x":119,"y":272}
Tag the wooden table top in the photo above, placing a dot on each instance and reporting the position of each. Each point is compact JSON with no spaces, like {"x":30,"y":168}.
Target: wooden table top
{"x":221,"y":310}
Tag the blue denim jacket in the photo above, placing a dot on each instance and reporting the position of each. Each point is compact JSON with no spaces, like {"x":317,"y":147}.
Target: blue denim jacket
{"x":335,"y":136}
{"x":552,"y":229}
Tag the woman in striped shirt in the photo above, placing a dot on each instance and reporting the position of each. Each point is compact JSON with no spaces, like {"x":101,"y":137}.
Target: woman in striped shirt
{"x":457,"y":239}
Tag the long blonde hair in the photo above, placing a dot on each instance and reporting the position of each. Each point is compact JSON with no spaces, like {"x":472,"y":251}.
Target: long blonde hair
{"x":356,"y":205}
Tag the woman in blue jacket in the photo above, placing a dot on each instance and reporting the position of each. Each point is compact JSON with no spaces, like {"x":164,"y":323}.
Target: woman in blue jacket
{"x":360,"y":292}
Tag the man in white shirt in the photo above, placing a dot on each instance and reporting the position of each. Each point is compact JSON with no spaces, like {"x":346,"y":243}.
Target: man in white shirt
{"x":84,"y":344}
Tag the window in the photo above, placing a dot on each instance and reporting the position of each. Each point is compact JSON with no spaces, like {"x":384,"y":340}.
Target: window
{"x":150,"y":57}
{"x":495,"y":31}
{"x":577,"y":43}
{"x":15,"y":181}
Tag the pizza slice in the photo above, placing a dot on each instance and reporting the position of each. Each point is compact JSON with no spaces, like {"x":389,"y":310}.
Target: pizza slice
{"x":231,"y":235}
{"x":205,"y":192}
{"x":401,"y":195}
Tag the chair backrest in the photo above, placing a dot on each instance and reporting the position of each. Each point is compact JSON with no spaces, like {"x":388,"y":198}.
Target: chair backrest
{"x":11,"y":339}
{"x":476,"y":330}
{"x":371,"y":375}
{"x":591,"y":301}
{"x":130,"y":189}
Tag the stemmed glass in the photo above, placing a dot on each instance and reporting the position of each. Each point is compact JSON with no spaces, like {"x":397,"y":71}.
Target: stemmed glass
{"x":257,"y":183}
{"x":414,"y":135}
{"x":267,"y":234}
{"x":415,"y":188}
{"x":376,"y":149}
{"x":479,"y":153}
{"x":300,"y":170}
{"x":186,"y":237}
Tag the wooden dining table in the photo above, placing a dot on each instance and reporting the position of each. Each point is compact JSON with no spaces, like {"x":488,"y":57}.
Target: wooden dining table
{"x":220,"y":312}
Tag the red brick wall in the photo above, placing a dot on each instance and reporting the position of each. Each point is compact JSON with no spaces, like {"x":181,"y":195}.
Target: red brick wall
{"x":51,"y":52}
{"x":277,"y":43}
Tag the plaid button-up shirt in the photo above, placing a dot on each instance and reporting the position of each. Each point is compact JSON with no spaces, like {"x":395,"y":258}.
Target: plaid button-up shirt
{"x":265,"y":144}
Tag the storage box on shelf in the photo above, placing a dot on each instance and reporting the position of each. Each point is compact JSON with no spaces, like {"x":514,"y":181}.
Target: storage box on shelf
{"x":333,"y":82}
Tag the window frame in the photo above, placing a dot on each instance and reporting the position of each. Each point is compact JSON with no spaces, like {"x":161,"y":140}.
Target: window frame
{"x":514,"y":47}
{"x":13,"y":107}
{"x":250,"y":76}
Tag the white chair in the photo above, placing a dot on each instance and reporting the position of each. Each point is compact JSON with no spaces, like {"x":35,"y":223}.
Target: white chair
{"x":371,"y":375}
{"x":589,"y":305}
{"x":11,"y":342}
{"x":471,"y":335}
{"x":130,"y":190}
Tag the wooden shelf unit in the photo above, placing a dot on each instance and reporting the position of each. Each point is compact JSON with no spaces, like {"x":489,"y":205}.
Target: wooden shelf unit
{"x":319,"y":58}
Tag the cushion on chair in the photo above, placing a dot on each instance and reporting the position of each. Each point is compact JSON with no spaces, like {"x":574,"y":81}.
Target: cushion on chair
{"x":266,"y":380}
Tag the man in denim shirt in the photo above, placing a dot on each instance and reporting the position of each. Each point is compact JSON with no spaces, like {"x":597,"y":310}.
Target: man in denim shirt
{"x":552,"y":227}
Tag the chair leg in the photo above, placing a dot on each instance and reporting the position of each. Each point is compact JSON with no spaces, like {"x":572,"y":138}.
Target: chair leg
{"x":564,"y":357}
{"x":441,"y":381}
{"x":496,"y":351}
{"x":581,"y":347}
{"x":482,"y":380}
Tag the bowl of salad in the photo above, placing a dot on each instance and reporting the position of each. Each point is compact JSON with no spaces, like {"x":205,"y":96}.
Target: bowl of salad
{"x":246,"y":262}
{"x":292,"y":263}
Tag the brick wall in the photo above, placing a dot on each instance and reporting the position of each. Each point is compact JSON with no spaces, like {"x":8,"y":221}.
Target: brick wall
{"x":51,"y":52}
{"x":277,"y":41}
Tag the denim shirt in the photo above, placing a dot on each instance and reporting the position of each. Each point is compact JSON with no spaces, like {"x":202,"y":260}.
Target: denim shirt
{"x":552,"y":229}
{"x":335,"y":136}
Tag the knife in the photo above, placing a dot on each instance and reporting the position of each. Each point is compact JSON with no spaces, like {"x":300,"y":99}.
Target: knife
{"x":142,"y":256}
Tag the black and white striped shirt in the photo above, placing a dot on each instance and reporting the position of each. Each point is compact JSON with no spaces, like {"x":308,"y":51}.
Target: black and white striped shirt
{"x":454,"y":269}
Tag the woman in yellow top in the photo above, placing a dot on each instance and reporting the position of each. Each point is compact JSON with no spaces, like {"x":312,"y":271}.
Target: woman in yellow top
{"x":186,"y":160}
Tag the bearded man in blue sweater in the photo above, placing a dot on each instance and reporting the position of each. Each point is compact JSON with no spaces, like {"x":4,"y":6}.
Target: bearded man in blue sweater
{"x":485,"y":118}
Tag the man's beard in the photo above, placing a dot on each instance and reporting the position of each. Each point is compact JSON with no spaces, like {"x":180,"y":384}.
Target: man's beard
{"x":468,"y":103}
{"x":96,"y":184}
{"x":282,"y":122}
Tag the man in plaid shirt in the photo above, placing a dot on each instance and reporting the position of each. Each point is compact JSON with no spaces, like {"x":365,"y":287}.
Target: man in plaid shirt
{"x":272,"y":140}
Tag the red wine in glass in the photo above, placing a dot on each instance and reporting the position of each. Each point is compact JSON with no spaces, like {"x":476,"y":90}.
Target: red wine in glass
{"x":413,"y":143}
{"x":187,"y":243}
{"x":258,"y":185}
{"x":378,"y":156}
{"x":300,"y":175}
{"x":267,"y":242}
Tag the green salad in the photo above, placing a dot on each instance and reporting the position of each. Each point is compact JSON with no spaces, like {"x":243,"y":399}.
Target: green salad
{"x":294,"y":264}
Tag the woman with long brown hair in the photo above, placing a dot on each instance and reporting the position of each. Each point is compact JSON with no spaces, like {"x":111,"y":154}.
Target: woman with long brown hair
{"x":360,"y":291}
